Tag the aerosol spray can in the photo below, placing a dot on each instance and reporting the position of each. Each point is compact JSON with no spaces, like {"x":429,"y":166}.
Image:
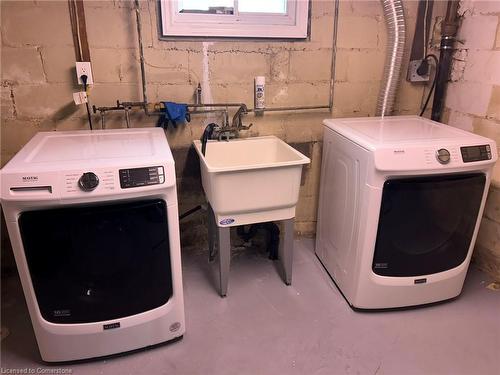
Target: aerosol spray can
{"x":260,"y":84}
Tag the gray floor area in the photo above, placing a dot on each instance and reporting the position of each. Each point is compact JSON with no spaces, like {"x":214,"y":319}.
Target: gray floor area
{"x":265,"y":327}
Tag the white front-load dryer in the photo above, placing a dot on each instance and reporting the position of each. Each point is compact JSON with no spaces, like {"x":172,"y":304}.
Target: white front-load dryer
{"x":93,"y":221}
{"x":401,"y":200}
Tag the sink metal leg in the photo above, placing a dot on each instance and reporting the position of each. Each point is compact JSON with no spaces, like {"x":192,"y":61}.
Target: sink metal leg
{"x":224,"y":258}
{"x":212,"y":228}
{"x":286,"y":250}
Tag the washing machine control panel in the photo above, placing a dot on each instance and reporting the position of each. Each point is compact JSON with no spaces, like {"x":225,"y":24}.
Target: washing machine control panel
{"x":144,"y":176}
{"x":475,"y":153}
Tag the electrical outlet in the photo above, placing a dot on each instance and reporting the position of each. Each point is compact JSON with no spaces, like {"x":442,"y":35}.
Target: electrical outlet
{"x":84,"y":68}
{"x":413,"y":75}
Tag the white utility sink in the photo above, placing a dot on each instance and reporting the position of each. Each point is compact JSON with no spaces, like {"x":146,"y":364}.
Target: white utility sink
{"x":251,"y":180}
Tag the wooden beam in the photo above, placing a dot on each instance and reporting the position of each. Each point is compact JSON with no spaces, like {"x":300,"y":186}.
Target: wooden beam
{"x":82,"y":31}
{"x":74,"y":30}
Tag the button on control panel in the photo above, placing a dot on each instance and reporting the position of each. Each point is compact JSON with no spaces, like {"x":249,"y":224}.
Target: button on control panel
{"x":136,"y":177}
{"x":88,"y":181}
{"x":475,"y":153}
{"x":443,"y":156}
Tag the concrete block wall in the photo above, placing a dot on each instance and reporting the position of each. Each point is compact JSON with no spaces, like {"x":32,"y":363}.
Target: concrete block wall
{"x":38,"y":79}
{"x":473,"y":104}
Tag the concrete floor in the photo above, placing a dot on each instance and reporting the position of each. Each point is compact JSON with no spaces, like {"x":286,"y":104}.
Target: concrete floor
{"x":265,"y":327}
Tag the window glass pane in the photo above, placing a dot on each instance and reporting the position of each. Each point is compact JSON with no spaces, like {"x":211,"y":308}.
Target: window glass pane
{"x":262,"y":6}
{"x":207,"y":6}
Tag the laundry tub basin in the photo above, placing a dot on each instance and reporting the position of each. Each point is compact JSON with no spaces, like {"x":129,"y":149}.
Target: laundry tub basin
{"x":251,"y":180}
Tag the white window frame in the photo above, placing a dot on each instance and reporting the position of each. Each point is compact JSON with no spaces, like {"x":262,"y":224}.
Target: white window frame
{"x":293,"y":24}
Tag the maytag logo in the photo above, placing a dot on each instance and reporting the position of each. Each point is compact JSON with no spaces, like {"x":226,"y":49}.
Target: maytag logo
{"x":111,"y":326}
{"x":30,"y":178}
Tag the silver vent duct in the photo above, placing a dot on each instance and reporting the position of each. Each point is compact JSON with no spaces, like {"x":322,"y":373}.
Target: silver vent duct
{"x":396,"y":24}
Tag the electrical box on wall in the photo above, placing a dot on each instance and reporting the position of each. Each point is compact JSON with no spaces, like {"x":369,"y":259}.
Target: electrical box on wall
{"x":416,"y":75}
{"x":84,"y":68}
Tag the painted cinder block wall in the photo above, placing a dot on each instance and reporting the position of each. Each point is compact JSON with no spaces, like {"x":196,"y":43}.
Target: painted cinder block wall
{"x":38,"y":79}
{"x":473,"y":104}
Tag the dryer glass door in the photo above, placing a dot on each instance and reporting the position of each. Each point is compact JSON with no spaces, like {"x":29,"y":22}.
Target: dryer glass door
{"x":426,"y":224}
{"x":96,"y":263}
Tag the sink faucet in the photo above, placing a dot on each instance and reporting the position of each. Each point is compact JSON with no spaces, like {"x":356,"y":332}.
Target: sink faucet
{"x":242,"y":110}
{"x":225,"y":132}
{"x":228,"y":132}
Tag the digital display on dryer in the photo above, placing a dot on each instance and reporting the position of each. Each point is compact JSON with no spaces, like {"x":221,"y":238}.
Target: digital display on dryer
{"x":136,"y":177}
{"x":475,"y":153}
{"x":139,"y":174}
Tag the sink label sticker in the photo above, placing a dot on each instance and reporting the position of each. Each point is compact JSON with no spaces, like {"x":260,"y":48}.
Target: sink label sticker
{"x":226,"y":221}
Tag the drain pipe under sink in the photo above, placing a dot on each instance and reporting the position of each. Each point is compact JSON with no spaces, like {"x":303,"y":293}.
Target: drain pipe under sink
{"x":396,"y":37}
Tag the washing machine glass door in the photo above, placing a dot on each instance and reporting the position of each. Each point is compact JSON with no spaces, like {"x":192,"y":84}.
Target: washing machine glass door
{"x":96,"y":263}
{"x":426,"y":224}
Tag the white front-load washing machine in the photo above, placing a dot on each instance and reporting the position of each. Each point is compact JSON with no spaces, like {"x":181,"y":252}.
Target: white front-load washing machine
{"x":93,"y":221}
{"x":401,"y":200}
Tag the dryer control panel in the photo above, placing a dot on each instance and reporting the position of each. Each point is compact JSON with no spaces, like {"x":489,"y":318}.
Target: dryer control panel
{"x":475,"y":153}
{"x":144,"y":176}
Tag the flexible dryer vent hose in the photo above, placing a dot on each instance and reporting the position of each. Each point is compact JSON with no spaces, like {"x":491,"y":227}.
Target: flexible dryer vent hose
{"x":396,"y":30}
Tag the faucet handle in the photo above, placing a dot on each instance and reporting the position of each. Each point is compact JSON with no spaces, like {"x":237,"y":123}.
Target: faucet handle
{"x":243,"y":127}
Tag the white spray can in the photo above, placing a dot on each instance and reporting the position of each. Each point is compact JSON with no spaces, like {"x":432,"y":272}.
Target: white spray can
{"x":260,"y":85}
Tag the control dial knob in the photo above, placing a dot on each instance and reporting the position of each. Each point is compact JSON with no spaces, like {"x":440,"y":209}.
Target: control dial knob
{"x":443,"y":156}
{"x":88,"y":181}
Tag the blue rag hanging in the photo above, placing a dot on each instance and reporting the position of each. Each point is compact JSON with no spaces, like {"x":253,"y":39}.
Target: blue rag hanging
{"x":174,"y":113}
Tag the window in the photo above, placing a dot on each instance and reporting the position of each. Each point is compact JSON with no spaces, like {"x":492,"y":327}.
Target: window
{"x":235,"y":18}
